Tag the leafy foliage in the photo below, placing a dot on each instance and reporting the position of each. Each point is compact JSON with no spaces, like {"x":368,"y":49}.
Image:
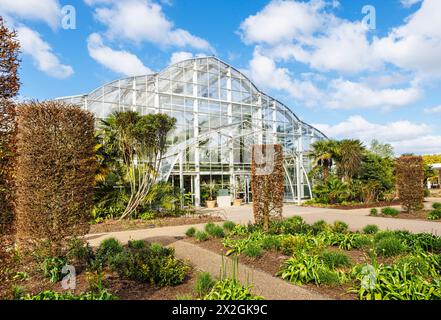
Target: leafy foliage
{"x":370,"y":229}
{"x":190,"y":232}
{"x":204,"y":284}
{"x":388,"y":211}
{"x":230,"y":289}
{"x":149,"y":263}
{"x":52,"y":268}
{"x":52,"y":295}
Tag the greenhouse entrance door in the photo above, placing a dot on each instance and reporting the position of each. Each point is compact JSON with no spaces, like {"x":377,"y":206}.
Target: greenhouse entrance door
{"x":243,"y":187}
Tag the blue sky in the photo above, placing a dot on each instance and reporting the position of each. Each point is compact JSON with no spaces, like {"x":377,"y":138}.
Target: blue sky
{"x":338,"y":71}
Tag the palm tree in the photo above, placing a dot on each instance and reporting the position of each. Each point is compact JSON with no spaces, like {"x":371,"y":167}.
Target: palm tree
{"x":349,"y":155}
{"x":323,"y":152}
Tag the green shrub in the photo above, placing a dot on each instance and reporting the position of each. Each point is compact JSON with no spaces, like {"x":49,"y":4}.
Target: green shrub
{"x":434,"y":215}
{"x":271,"y":242}
{"x":293,"y":225}
{"x":201,"y":236}
{"x":371,"y":229}
{"x":147,"y":215}
{"x":154,"y":264}
{"x":436,"y":206}
{"x":107,"y":249}
{"x":301,"y":268}
{"x":319,"y":226}
{"x":395,"y":283}
{"x":253,"y":250}
{"x":374,"y":212}
{"x":328,"y":277}
{"x":230,"y":289}
{"x":214,"y":230}
{"x":190,"y":232}
{"x":204,"y":284}
{"x":383,"y":234}
{"x":229,"y":225}
{"x":80,"y":251}
{"x":340,"y":227}
{"x":52,"y":268}
{"x":388,"y":211}
{"x":292,"y":244}
{"x":390,"y":247}
{"x":334,"y":259}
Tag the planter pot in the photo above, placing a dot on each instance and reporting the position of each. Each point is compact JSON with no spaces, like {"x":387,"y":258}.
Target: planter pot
{"x":237,"y":202}
{"x":211,"y":204}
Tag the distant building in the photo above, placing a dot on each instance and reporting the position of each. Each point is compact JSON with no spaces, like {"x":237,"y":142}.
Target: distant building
{"x":220,"y":114}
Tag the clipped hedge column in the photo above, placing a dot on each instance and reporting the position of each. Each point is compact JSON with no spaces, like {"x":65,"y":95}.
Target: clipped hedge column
{"x":7,"y":165}
{"x":410,"y":182}
{"x":55,"y":171}
{"x":267,"y":183}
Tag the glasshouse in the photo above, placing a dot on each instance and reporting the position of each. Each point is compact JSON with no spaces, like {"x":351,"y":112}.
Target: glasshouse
{"x":220,"y":115}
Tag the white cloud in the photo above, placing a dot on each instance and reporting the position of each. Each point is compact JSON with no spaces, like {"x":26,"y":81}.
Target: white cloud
{"x":416,"y":45}
{"x":183,"y":55}
{"x":48,"y":11}
{"x":282,"y":21}
{"x":433,"y":110}
{"x":344,"y":94}
{"x":143,"y":20}
{"x":404,"y":136}
{"x":121,"y":62}
{"x":265,"y":73}
{"x":41,"y":52}
{"x":409,"y":3}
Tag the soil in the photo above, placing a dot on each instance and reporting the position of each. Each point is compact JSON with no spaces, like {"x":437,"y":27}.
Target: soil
{"x":419,"y":215}
{"x":355,"y":206}
{"x":271,"y":261}
{"x":116,"y":225}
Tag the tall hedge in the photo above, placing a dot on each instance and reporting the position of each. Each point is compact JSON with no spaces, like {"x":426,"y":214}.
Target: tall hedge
{"x":7,"y":161}
{"x":410,"y":182}
{"x":267,"y":183}
{"x":55,"y":171}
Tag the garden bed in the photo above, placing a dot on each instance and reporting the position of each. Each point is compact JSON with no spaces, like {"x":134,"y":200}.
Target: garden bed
{"x":353,"y":206}
{"x":116,"y":225}
{"x":421,"y":215}
{"x":332,"y":261}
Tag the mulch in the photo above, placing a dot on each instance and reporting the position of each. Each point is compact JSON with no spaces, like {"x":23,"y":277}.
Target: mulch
{"x":124,"y":225}
{"x":356,"y":206}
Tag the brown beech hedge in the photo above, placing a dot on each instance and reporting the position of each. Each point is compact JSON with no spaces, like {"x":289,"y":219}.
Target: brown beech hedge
{"x":410,"y":182}
{"x":55,"y":171}
{"x":7,"y":164}
{"x":267,"y":183}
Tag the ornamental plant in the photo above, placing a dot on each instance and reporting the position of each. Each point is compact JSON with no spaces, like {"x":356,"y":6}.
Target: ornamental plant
{"x":410,"y":182}
{"x":56,"y":165}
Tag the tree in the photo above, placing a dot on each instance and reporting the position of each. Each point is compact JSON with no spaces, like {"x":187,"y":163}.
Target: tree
{"x":383,"y":150}
{"x":9,"y":62}
{"x":323,"y":152}
{"x":140,"y":141}
{"x":349,"y":156}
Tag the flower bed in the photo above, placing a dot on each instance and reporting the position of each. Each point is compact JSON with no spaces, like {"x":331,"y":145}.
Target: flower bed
{"x":331,"y":260}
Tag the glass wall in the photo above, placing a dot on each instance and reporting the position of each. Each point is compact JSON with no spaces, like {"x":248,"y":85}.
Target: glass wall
{"x":220,"y":114}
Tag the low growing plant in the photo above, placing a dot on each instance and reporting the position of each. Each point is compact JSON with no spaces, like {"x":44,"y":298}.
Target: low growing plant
{"x":388,"y":211}
{"x":253,"y":250}
{"x":374,"y":212}
{"x":229,"y":225}
{"x":201,"y":236}
{"x":334,"y":259}
{"x":52,"y":268}
{"x":190,"y":232}
{"x":340,"y":227}
{"x":434,"y":215}
{"x":204,"y":284}
{"x":214,"y":230}
{"x":371,"y":229}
